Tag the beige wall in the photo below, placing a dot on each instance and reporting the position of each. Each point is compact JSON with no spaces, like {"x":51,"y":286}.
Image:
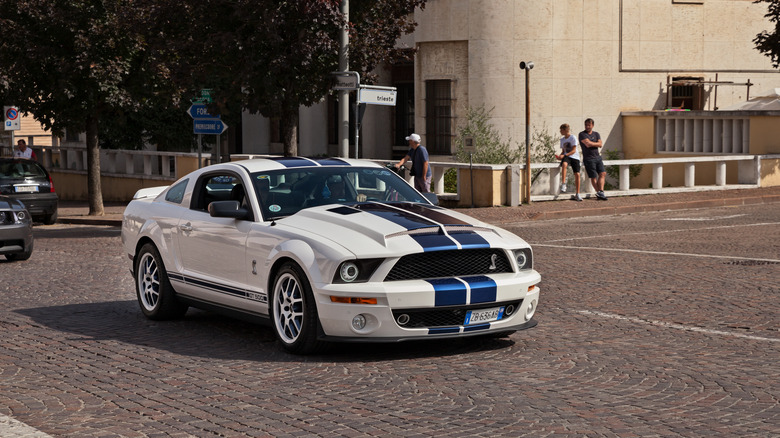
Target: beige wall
{"x":593,"y":58}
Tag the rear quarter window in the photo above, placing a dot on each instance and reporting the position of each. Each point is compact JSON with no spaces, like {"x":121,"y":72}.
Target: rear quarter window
{"x":176,"y":193}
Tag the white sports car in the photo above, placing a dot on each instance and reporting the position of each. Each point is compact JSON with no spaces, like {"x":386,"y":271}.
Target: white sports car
{"x":325,"y":250}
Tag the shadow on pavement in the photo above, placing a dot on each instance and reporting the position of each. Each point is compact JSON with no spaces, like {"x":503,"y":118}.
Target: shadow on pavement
{"x":212,"y":336}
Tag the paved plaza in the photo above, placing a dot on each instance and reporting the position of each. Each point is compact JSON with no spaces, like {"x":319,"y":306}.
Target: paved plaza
{"x":657,"y":324}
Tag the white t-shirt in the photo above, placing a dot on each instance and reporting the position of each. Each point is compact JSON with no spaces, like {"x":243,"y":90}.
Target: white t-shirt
{"x":26,"y":154}
{"x":567,"y":143}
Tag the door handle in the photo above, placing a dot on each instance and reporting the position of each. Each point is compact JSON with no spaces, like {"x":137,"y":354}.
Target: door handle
{"x":186,"y":227}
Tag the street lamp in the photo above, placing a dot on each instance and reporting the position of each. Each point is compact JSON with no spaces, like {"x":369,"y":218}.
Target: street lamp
{"x":527,"y":66}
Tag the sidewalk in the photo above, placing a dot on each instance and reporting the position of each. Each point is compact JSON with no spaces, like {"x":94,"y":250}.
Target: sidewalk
{"x":77,"y":212}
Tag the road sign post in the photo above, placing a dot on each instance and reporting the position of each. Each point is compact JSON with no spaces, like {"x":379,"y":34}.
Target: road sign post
{"x":204,"y":123}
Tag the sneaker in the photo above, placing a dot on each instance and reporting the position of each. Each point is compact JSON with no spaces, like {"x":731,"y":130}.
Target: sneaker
{"x":576,"y":197}
{"x":563,"y":188}
{"x":600,"y":194}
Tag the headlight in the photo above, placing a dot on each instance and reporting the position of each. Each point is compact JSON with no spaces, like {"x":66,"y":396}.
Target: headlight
{"x":356,"y":271}
{"x":524,"y":258}
{"x":21,"y":217}
{"x":349,"y":272}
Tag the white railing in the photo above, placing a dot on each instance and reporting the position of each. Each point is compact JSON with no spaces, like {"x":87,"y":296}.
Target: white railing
{"x":486,"y":177}
{"x":117,"y":162}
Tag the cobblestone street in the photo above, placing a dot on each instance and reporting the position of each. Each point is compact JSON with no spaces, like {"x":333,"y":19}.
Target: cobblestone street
{"x":653,"y":324}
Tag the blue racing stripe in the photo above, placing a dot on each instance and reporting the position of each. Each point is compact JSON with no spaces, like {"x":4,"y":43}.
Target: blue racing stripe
{"x":397,"y":216}
{"x":483,"y":289}
{"x":294,"y":162}
{"x":440,"y":330}
{"x":434,"y":242}
{"x":448,"y":292}
{"x":332,"y":162}
{"x":470,"y":240}
{"x":472,"y":328}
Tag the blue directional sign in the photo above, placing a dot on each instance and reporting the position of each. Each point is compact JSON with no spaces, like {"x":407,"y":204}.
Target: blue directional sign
{"x":200,"y":111}
{"x":211,"y":126}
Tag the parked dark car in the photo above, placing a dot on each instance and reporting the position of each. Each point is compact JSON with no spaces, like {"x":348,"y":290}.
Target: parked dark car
{"x":16,"y":239}
{"x":29,"y":182}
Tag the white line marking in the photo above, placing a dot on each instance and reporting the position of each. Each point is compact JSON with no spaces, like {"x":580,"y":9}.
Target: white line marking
{"x":10,"y":428}
{"x":703,"y":219}
{"x":655,"y":252}
{"x":687,"y":230}
{"x":675,"y":326}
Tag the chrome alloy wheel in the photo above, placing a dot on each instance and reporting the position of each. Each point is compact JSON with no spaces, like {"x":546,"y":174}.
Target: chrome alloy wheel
{"x":288,"y":308}
{"x":148,"y":278}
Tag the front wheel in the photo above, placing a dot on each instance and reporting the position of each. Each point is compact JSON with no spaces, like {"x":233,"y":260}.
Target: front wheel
{"x":294,"y":312}
{"x":153,"y":289}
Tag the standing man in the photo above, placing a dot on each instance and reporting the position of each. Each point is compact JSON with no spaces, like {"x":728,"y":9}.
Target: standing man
{"x":22,"y":151}
{"x":591,"y":142}
{"x":420,"y":166}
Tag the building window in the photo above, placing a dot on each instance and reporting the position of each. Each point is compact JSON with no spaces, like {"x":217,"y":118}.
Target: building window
{"x":438,"y":117}
{"x":687,"y":93}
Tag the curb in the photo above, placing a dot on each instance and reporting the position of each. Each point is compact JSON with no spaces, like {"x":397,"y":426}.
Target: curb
{"x":628,"y":209}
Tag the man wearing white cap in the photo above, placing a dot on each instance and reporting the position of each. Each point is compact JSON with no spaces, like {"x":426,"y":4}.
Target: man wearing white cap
{"x":421,"y":169}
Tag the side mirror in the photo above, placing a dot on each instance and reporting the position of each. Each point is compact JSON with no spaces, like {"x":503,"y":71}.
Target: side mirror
{"x":230,"y":209}
{"x":431,"y":197}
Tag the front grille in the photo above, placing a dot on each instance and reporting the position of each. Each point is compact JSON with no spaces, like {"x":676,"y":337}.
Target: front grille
{"x":446,"y":317}
{"x":450,"y":263}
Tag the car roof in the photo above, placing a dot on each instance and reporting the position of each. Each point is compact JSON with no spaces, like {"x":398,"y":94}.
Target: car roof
{"x":279,"y":163}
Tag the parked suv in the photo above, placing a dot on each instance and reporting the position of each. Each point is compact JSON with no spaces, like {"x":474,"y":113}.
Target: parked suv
{"x":29,"y":182}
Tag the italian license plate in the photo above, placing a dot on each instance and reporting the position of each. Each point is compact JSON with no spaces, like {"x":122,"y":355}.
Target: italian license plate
{"x":483,"y":315}
{"x":25,"y":189}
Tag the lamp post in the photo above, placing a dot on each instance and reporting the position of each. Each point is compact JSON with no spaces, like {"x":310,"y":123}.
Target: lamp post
{"x":527,"y":66}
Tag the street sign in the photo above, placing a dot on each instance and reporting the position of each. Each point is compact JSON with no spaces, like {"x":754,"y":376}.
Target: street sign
{"x":205,"y":96}
{"x":12,"y":120}
{"x":211,"y":126}
{"x":200,"y":111}
{"x":346,"y":80}
{"x":377,"y":95}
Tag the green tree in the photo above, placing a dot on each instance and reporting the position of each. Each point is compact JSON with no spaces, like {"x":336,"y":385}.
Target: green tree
{"x":71,"y":63}
{"x":768,"y":42}
{"x":268,"y":56}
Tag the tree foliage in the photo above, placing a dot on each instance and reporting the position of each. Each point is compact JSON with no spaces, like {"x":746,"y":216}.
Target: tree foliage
{"x":768,"y":42}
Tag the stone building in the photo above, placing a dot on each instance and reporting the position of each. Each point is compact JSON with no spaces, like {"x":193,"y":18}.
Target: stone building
{"x":592,"y":58}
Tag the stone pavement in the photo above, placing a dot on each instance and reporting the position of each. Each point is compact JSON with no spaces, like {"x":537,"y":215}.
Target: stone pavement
{"x":77,"y":212}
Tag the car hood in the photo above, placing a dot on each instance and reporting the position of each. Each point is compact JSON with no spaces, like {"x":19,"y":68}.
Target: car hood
{"x":7,"y":203}
{"x":379,"y":229}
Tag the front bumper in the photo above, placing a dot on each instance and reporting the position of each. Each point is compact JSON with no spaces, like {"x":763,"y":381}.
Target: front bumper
{"x":394,"y":298}
{"x":15,"y":238}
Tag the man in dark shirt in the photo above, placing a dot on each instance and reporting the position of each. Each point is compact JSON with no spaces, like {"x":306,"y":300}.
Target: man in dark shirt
{"x":591,"y":142}
{"x":421,"y":168}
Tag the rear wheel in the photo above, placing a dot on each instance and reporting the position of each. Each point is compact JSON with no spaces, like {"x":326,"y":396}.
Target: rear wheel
{"x":50,"y":219}
{"x":294,"y":312}
{"x":153,"y":289}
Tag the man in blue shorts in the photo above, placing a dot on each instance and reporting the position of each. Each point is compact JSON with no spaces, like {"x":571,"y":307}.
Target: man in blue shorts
{"x":594,"y":166}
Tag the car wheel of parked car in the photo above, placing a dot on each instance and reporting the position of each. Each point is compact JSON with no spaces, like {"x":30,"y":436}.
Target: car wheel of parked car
{"x":294,"y":312}
{"x":50,"y":219}
{"x":154,"y":290}
{"x":20,"y":255}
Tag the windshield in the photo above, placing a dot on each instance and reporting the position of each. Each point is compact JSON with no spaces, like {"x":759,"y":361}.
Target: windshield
{"x":287,"y":191}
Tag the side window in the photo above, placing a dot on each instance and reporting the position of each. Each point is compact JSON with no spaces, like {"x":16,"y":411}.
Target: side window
{"x":176,"y":193}
{"x":215,"y":187}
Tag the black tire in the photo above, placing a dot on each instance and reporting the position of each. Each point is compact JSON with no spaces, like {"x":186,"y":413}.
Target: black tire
{"x":294,"y":313}
{"x":153,"y":289}
{"x":50,"y":219}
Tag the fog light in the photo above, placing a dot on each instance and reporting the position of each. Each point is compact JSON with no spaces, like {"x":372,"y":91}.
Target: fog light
{"x":529,"y":312}
{"x":359,"y":322}
{"x":402,"y":319}
{"x":510,"y":309}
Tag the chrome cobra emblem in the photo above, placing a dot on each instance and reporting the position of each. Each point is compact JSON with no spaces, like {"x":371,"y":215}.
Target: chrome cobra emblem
{"x":493,"y":259}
